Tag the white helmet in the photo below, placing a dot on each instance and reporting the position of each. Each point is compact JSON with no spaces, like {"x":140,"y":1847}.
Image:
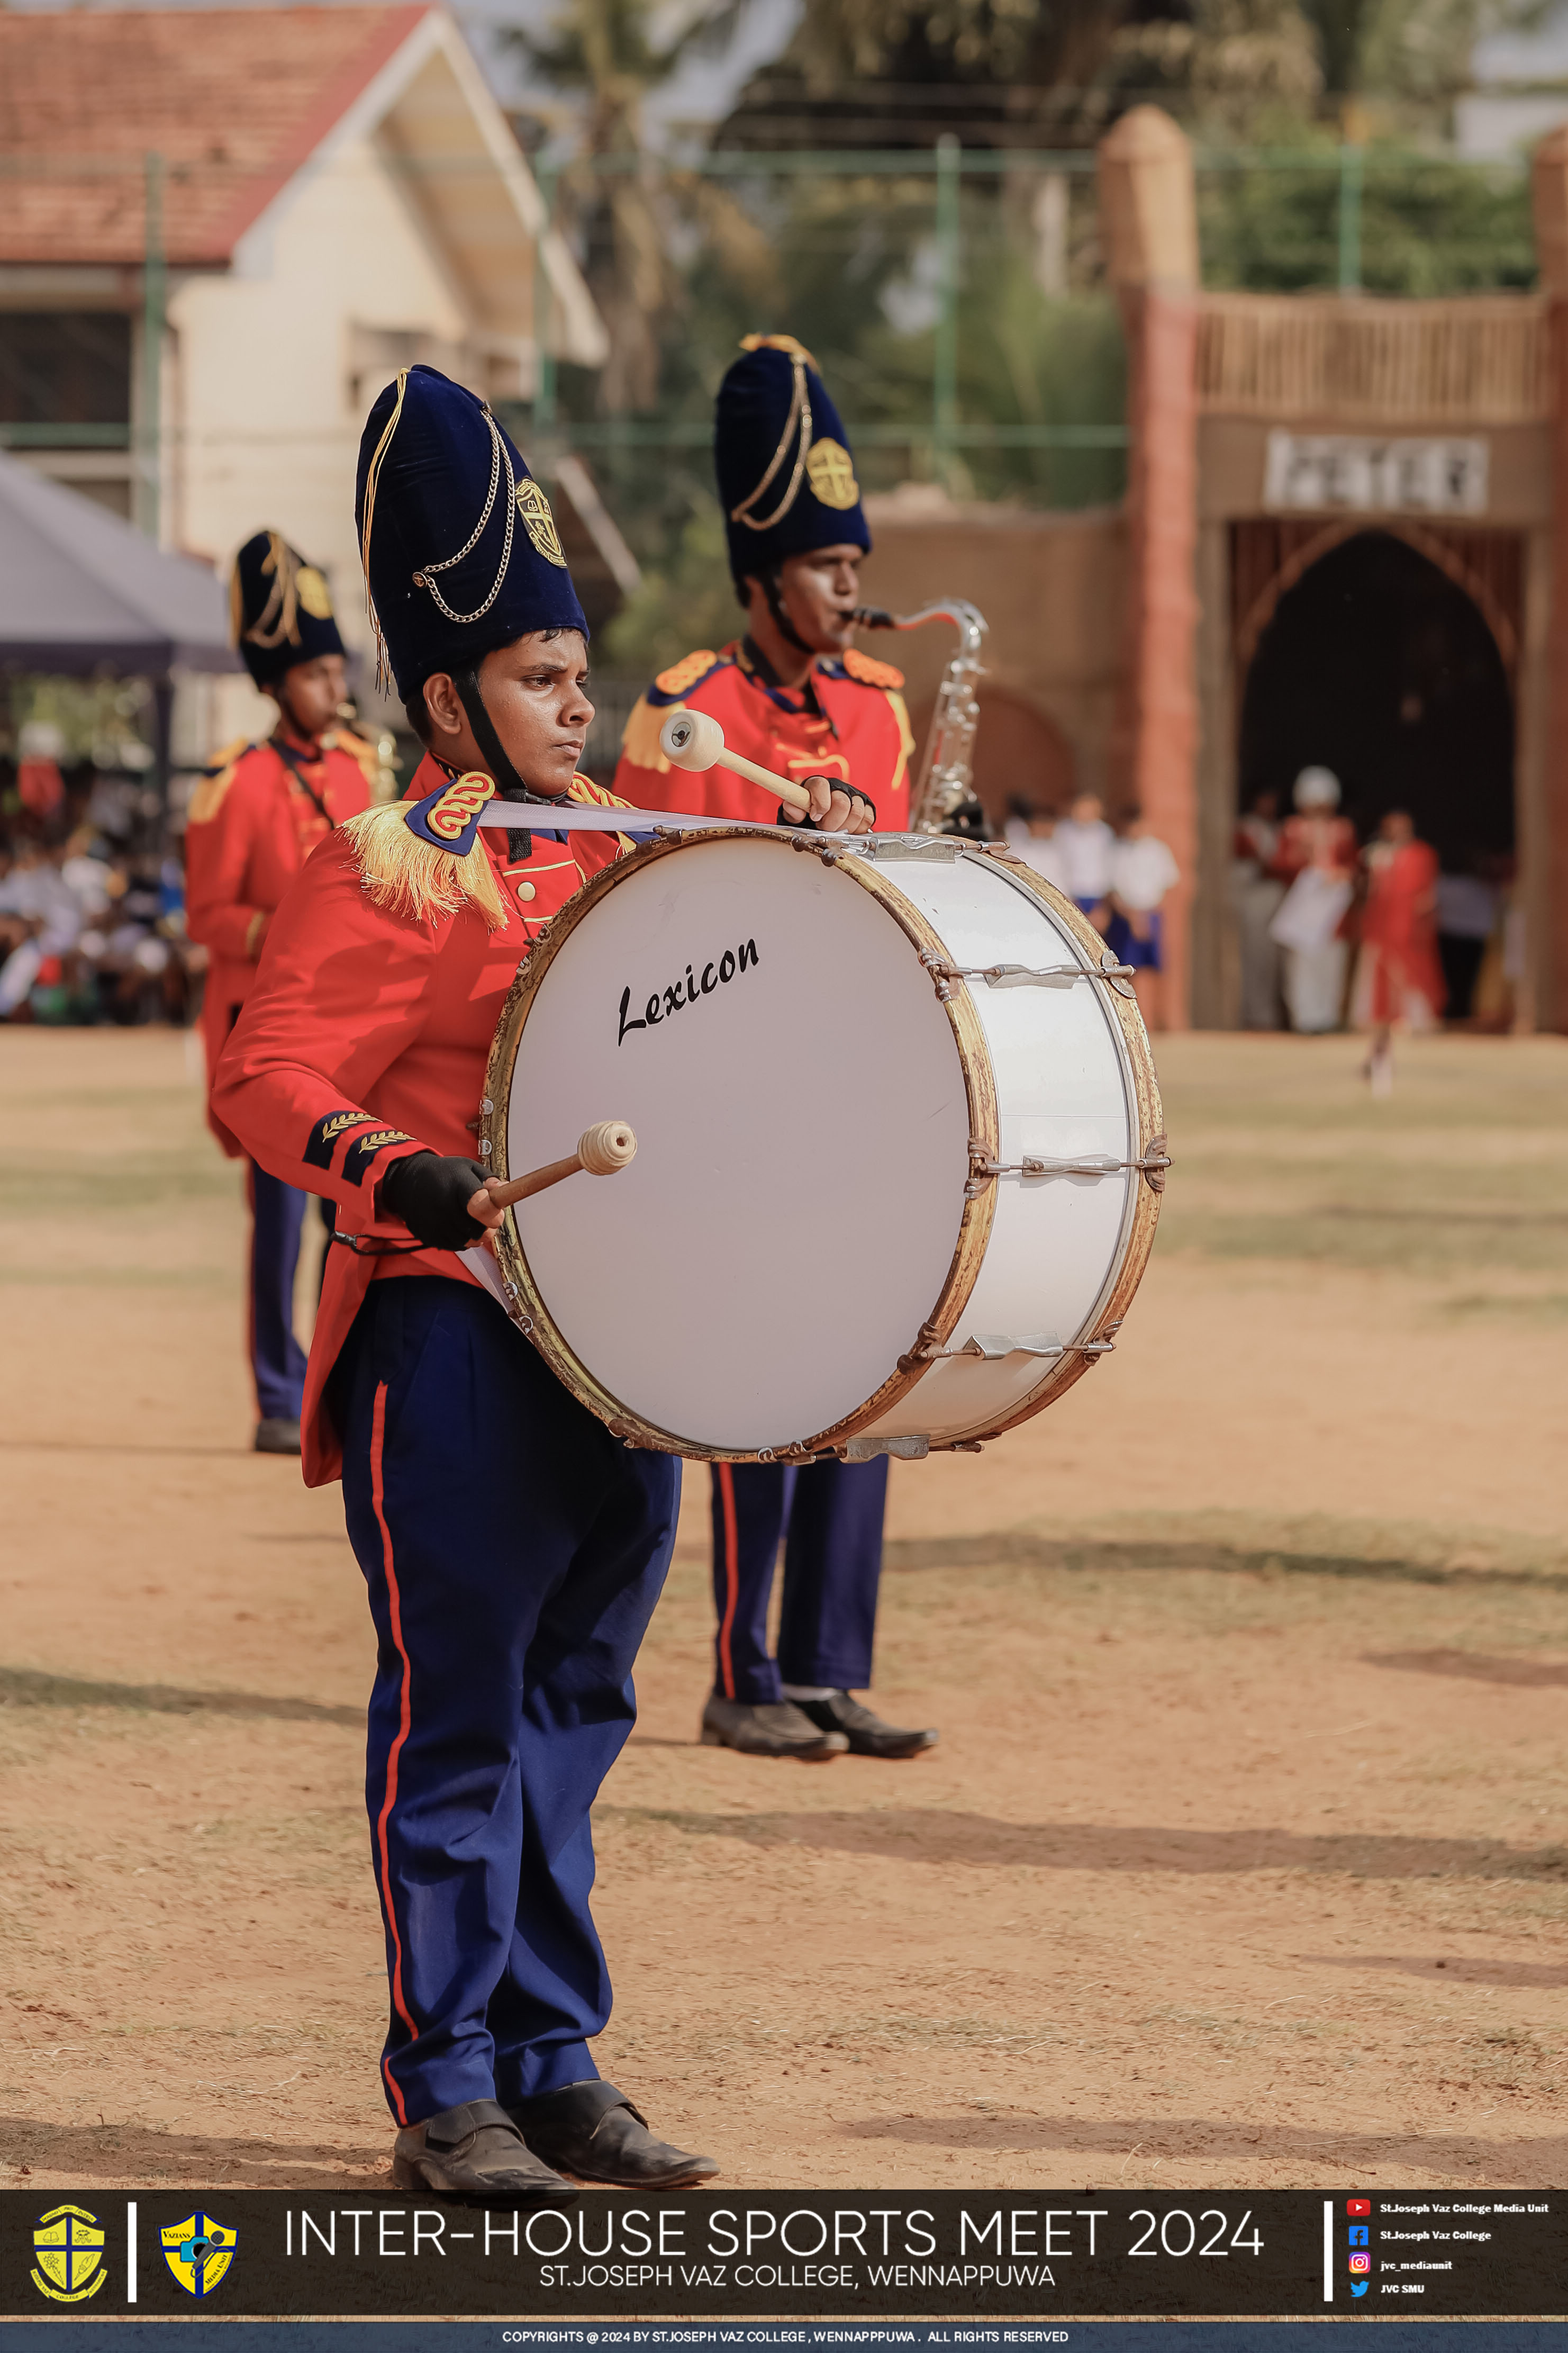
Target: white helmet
{"x":1317,"y":789}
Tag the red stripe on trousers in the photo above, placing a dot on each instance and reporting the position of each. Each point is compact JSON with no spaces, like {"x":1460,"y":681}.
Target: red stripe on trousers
{"x":731,"y":1576}
{"x":377,"y":1435}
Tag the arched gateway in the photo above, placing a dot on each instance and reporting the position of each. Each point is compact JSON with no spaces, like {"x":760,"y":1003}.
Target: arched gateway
{"x":1343,"y":546}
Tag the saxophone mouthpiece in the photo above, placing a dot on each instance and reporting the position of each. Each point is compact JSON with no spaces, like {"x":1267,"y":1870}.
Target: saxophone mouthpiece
{"x":872,"y":617}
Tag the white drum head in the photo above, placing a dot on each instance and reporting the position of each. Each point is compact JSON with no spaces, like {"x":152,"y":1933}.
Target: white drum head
{"x":803,"y":1125}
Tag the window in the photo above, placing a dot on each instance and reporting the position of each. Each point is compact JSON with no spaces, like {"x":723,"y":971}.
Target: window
{"x":64,"y":367}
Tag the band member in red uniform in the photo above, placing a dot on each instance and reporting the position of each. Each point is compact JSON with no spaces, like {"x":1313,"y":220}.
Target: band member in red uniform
{"x":513,"y":1549}
{"x":254,"y":819}
{"x":794,"y":695}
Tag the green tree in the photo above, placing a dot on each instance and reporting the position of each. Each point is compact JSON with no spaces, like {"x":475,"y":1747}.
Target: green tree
{"x":621,"y":206}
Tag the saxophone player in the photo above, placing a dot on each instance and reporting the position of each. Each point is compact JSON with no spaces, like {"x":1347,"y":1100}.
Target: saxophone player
{"x":794,"y":694}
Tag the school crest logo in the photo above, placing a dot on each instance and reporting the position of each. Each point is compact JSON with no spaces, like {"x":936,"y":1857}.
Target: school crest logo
{"x":539,"y":522}
{"x":313,"y":592}
{"x":830,"y":470}
{"x":69,"y":2244}
{"x":198,"y":2251}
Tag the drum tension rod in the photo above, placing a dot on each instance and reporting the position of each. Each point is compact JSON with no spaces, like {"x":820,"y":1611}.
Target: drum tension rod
{"x":1153,"y":1164}
{"x":1024,"y":975}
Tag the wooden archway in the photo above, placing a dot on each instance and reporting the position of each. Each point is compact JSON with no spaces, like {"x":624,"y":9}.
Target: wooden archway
{"x":1271,"y":555}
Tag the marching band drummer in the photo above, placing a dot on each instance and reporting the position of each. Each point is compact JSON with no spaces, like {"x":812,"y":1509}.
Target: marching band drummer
{"x":793,"y":694}
{"x":513,"y":1550}
{"x":254,"y":819}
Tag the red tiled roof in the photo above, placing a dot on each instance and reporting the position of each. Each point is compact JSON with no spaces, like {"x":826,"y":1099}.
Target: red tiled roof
{"x":235,"y":100}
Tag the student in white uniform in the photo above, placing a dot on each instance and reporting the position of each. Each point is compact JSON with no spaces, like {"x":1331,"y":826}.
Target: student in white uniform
{"x":1142,"y":870}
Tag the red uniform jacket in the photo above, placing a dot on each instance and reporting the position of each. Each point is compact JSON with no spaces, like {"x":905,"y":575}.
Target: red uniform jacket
{"x":365,"y":1036}
{"x":849,"y":720}
{"x":251,"y":827}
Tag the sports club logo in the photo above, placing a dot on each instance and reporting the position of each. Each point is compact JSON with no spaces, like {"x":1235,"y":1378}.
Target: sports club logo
{"x":69,"y":2244}
{"x":198,"y":2251}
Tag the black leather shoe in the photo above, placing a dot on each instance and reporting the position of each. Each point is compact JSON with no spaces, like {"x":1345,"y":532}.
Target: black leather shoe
{"x":475,"y":2153}
{"x":275,"y":1435}
{"x":768,"y":1728}
{"x":866,"y":1735}
{"x":593,"y":2131}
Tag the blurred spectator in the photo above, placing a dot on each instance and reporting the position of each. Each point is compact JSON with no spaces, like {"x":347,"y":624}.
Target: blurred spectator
{"x":1255,"y":893}
{"x":1083,"y":843}
{"x":1030,"y":834}
{"x":1317,"y":858}
{"x":40,"y":920}
{"x":40,"y":787}
{"x":1467,"y":918}
{"x":1399,"y":979}
{"x":1142,"y":870}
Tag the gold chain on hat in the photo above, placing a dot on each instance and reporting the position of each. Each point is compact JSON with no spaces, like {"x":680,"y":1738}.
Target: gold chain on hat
{"x":279,"y":620}
{"x":799,"y":416}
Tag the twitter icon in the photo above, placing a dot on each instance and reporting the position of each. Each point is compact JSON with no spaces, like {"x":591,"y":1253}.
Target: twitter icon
{"x":1360,"y":2288}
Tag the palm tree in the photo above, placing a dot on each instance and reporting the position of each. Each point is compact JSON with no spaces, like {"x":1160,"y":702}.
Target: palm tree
{"x":624,"y":209}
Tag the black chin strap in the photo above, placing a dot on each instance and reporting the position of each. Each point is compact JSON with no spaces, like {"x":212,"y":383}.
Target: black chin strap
{"x":508,"y":782}
{"x":773,"y":590}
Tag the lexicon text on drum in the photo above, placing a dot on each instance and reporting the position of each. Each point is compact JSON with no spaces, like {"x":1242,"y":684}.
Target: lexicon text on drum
{"x":674,"y":999}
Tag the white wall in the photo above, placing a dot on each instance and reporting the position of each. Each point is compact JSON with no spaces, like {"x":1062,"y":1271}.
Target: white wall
{"x":264,"y":432}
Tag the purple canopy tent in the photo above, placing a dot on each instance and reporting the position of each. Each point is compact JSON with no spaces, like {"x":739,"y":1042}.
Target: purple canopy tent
{"x":82,"y":592}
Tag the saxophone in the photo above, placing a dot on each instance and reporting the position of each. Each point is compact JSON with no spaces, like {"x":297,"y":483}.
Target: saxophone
{"x":942,"y":800}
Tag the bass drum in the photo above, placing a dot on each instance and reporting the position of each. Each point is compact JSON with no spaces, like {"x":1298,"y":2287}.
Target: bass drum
{"x":899,"y":1145}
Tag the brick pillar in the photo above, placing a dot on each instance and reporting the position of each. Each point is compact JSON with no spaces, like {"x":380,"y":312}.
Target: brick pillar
{"x":1148,"y":223}
{"x":1544,"y":826}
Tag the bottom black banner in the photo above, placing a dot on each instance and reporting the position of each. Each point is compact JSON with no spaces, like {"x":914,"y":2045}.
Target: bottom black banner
{"x":761,"y":2258}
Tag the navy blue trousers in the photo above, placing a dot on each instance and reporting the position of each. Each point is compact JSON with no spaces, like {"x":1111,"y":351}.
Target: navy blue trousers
{"x":833,"y":1565}
{"x":513,"y":1552}
{"x":276,"y":1359}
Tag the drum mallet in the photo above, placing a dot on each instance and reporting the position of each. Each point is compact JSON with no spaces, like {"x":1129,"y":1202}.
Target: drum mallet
{"x":602,"y":1151}
{"x":690,"y":739}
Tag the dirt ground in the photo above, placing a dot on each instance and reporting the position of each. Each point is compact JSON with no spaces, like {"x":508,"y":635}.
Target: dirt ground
{"x":1242,"y":1859}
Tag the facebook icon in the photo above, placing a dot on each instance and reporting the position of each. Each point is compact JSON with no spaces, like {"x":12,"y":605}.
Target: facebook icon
{"x":1360,"y":2236}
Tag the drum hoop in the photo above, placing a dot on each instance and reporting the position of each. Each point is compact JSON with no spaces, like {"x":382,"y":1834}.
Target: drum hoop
{"x":1112,"y":1305}
{"x":528,"y":1309}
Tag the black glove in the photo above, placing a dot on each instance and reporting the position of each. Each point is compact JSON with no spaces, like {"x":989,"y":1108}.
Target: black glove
{"x":809,"y":824}
{"x":430,"y":1192}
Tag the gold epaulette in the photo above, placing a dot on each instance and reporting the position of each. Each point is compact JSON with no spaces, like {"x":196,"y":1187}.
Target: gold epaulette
{"x":587,"y":794}
{"x":873,"y":673}
{"x":684,"y":673}
{"x":411,"y":877}
{"x":639,"y":737}
{"x":216,"y":779}
{"x":343,"y":739}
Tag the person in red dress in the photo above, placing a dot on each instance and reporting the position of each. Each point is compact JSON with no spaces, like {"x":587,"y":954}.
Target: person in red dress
{"x":254,"y":819}
{"x":1399,"y":972}
{"x":794,"y":694}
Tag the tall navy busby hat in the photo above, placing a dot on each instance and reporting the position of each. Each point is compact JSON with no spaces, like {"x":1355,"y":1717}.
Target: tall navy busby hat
{"x":460,"y":549}
{"x":281,"y":608}
{"x":786,"y":478}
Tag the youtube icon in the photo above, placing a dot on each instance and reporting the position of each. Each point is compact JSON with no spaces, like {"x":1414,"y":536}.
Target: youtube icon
{"x":1358,"y":2205}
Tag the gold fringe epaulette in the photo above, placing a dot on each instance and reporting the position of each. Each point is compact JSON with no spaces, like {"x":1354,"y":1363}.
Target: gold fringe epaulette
{"x":639,"y":738}
{"x":871,"y":672}
{"x":343,"y":739}
{"x":413,"y":878}
{"x":685,"y":673}
{"x":588,"y":795}
{"x":216,"y":779}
